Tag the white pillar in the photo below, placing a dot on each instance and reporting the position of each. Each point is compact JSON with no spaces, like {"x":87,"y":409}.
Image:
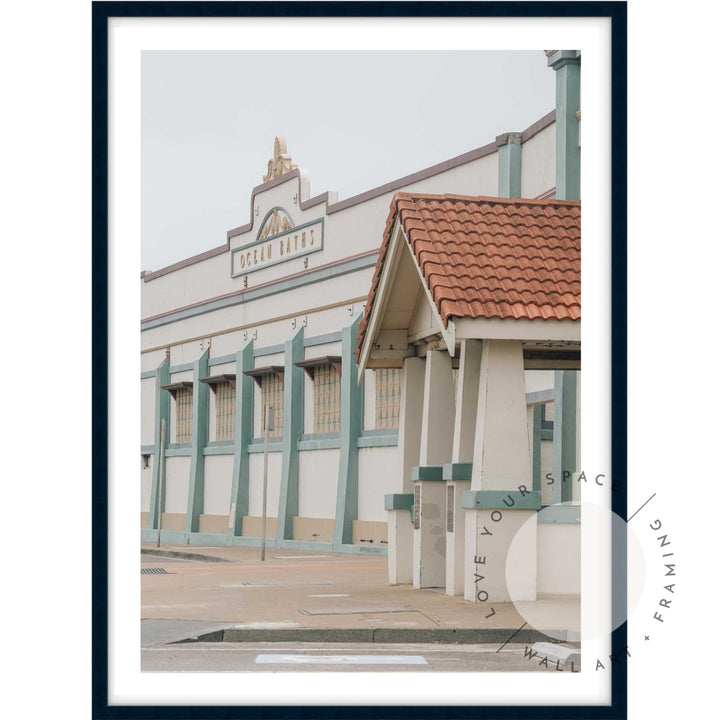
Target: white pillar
{"x":438,"y":410}
{"x":400,"y":527}
{"x":501,"y":480}
{"x":466,"y":401}
{"x":455,"y":538}
{"x":456,"y":474}
{"x":501,"y":458}
{"x":412,"y":390}
{"x":435,"y":450}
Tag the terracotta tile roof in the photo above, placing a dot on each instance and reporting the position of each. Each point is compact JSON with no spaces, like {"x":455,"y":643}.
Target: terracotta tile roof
{"x":485,"y":257}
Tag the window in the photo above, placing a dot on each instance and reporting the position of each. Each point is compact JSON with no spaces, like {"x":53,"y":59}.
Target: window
{"x":387,"y":398}
{"x":327,"y":399}
{"x":183,"y":415}
{"x":271,"y":393}
{"x":224,"y":411}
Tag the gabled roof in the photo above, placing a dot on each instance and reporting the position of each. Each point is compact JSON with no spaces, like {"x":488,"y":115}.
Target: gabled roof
{"x":486,"y":257}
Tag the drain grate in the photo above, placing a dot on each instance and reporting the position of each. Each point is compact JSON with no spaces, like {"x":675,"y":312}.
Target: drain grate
{"x":154,"y":571}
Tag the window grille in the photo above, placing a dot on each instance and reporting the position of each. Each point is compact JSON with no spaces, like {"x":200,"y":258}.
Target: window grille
{"x":271,"y":392}
{"x":387,"y":398}
{"x":327,"y":399}
{"x":224,"y":411}
{"x":184,"y":415}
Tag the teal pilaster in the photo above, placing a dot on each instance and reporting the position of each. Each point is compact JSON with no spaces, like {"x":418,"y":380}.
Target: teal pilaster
{"x":564,"y":434}
{"x":196,"y":486}
{"x":566,"y":64}
{"x":536,"y":447}
{"x":509,"y":165}
{"x":244,"y":396}
{"x":346,"y":508}
{"x":293,"y":385}
{"x":162,"y":412}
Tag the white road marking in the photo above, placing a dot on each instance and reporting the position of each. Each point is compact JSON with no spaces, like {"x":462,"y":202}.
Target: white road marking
{"x":339,"y":595}
{"x":341,"y":659}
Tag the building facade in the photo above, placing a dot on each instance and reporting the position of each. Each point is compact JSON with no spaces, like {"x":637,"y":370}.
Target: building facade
{"x":271,"y":318}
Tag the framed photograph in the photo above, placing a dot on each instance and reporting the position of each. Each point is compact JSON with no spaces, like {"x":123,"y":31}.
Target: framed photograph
{"x":382,"y":462}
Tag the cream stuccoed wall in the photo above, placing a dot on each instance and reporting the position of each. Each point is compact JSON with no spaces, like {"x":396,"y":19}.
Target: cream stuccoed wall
{"x":379,"y":471}
{"x":218,"y":484}
{"x":558,"y":552}
{"x":538,"y":163}
{"x":177,"y":479}
{"x":262,"y":315}
{"x":256,"y":483}
{"x":318,"y":482}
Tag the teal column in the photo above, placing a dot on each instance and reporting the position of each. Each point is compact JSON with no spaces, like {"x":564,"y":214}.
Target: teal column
{"x":537,"y":448}
{"x":346,"y":507}
{"x":196,"y":487}
{"x":566,"y":64}
{"x":293,"y":386}
{"x":509,"y":148}
{"x":564,"y":434}
{"x":244,"y":396}
{"x":162,"y":412}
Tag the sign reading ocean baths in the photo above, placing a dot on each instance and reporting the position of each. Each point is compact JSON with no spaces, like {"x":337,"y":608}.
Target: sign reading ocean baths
{"x":276,"y":248}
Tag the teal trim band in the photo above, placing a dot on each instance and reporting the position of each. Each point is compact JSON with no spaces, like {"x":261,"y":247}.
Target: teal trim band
{"x":539,"y":396}
{"x":196,"y":487}
{"x":283,"y":286}
{"x":561,"y":514}
{"x":162,"y":412}
{"x":426,"y":472}
{"x":457,"y":471}
{"x":269,"y":350}
{"x":183,"y":367}
{"x":322,"y":339}
{"x":319,"y":442}
{"x":380,"y":550}
{"x":378,"y":432}
{"x":306,"y":545}
{"x":346,"y":504}
{"x":564,"y":434}
{"x":247,"y":541}
{"x":224,"y":448}
{"x":244,"y":400}
{"x":222,"y":360}
{"x":179,"y":451}
{"x":167,"y":537}
{"x":567,"y":103}
{"x":500,"y":500}
{"x":537,"y":448}
{"x":399,"y":501}
{"x":510,"y":167}
{"x":147,"y":374}
{"x":385,"y":440}
{"x":147,"y":449}
{"x":293,"y":388}
{"x":257,"y":446}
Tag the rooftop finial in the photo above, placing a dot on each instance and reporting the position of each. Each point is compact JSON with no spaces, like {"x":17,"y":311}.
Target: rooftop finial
{"x":280,"y":163}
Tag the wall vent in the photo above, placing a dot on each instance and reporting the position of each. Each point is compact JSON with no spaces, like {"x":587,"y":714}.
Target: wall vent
{"x":451,"y":508}
{"x":417,"y":507}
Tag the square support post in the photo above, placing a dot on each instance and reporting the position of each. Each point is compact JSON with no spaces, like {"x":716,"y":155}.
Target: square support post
{"x":196,"y":487}
{"x":244,"y":397}
{"x":162,"y":412}
{"x":400,"y":526}
{"x":501,"y":500}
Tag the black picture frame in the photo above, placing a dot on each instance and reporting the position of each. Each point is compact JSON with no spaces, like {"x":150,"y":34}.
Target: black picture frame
{"x":102,"y":12}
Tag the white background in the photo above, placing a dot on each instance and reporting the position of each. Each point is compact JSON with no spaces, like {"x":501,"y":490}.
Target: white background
{"x":45,"y":225}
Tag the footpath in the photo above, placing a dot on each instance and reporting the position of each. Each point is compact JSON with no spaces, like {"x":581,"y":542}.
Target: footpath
{"x":228,"y":594}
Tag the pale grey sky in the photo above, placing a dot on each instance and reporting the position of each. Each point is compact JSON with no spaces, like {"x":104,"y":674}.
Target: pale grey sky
{"x":354,"y":120}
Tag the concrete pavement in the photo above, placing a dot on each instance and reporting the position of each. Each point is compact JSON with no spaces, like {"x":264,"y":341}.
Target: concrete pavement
{"x":303,"y":596}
